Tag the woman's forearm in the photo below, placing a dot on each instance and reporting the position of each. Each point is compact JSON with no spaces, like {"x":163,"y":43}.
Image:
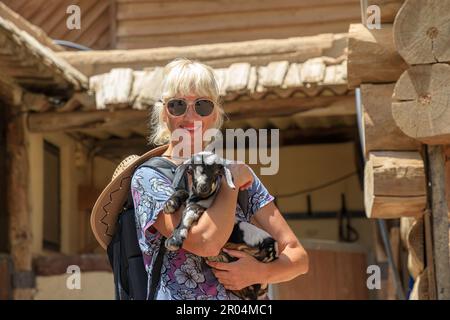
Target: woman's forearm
{"x":292,"y":262}
{"x":216,"y":223}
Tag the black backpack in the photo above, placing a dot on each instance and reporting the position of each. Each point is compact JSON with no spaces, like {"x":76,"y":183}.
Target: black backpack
{"x":124,"y":252}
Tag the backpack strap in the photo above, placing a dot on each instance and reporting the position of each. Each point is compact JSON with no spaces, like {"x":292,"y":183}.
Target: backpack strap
{"x":166,"y":168}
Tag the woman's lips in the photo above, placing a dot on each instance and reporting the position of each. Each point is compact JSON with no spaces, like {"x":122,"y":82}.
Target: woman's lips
{"x":190,"y":127}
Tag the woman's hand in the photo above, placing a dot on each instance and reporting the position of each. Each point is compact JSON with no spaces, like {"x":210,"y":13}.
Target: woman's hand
{"x":238,"y":274}
{"x":242,"y":176}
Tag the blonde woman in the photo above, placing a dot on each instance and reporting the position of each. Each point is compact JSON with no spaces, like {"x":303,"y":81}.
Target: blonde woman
{"x":190,"y":96}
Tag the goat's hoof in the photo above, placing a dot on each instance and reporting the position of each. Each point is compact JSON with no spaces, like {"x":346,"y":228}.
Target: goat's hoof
{"x":172,"y":244}
{"x":170,"y":206}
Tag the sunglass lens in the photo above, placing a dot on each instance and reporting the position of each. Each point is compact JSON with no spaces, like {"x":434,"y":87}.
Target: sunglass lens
{"x":204,"y":107}
{"x":176,"y":107}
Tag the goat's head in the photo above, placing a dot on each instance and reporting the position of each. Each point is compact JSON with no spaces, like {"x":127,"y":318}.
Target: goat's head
{"x":204,"y":168}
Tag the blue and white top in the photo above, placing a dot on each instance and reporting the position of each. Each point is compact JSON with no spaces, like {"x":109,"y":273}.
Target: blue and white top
{"x":184,"y":276}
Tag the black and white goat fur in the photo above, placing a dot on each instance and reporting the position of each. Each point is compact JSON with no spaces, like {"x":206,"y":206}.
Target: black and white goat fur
{"x":205,"y":169}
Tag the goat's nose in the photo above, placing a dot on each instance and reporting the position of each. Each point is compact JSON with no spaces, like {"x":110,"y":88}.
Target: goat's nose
{"x":203,"y":188}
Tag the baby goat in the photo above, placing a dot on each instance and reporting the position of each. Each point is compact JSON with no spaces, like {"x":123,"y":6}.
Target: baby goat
{"x":205,"y":168}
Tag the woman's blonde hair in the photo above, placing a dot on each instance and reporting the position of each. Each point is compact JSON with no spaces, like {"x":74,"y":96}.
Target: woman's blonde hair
{"x":183,"y":77}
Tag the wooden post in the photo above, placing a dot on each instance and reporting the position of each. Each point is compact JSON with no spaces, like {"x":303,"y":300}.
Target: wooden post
{"x":439,"y":221}
{"x":3,"y":209}
{"x":18,"y":205}
{"x":394,"y":184}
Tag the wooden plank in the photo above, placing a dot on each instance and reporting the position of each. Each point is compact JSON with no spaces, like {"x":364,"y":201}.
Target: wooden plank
{"x":92,"y":15}
{"x":151,"y":9}
{"x":231,"y":35}
{"x":372,"y":56}
{"x":50,"y":8}
{"x":57,"y":264}
{"x":113,"y":12}
{"x":333,"y":275}
{"x":218,"y":55}
{"x":439,"y":221}
{"x":239,"y":20}
{"x":394,"y":184}
{"x":127,"y":119}
{"x":99,"y":26}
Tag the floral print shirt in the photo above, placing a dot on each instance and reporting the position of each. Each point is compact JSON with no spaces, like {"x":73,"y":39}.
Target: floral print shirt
{"x":184,"y":276}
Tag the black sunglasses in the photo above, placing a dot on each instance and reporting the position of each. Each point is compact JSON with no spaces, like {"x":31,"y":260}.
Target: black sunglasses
{"x":178,"y":107}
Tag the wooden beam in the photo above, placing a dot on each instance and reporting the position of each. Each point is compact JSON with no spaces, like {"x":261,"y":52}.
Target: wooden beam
{"x":4,"y":241}
{"x":5,"y":277}
{"x":388,"y":9}
{"x":372,"y":56}
{"x":57,"y":264}
{"x":256,"y":52}
{"x":427,"y":40}
{"x":394,"y":185}
{"x":420,"y":105}
{"x":380,"y":130}
{"x":20,"y":238}
{"x":10,"y":92}
{"x":73,"y":121}
{"x":439,"y":221}
{"x":238,"y":110}
{"x":128,"y":119}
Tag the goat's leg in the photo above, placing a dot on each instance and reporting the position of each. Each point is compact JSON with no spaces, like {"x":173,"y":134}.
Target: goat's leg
{"x":190,"y":215}
{"x":175,"y":201}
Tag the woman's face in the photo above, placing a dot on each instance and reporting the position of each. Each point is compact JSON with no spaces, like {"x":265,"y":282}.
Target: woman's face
{"x":190,"y":120}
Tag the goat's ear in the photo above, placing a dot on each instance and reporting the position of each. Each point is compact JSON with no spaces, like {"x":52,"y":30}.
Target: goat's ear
{"x":228,"y":177}
{"x":180,"y":173}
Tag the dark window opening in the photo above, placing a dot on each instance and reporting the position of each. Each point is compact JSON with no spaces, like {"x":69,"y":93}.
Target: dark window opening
{"x":52,"y":201}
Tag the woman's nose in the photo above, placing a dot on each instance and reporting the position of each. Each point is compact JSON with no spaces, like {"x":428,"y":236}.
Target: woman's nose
{"x":191,"y":113}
